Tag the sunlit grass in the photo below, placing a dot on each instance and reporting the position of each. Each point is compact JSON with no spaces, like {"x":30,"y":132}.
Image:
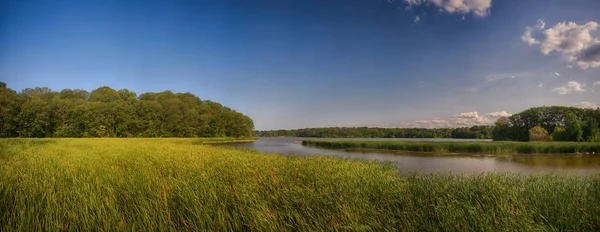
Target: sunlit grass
{"x":495,"y":147}
{"x":177,"y":184}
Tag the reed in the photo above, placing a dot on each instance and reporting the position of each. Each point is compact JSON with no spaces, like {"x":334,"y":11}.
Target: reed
{"x":495,"y":147}
{"x":178,"y":184}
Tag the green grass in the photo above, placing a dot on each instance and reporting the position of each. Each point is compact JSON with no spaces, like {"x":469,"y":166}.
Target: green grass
{"x":176,"y":184}
{"x":222,"y":140}
{"x":495,"y":147}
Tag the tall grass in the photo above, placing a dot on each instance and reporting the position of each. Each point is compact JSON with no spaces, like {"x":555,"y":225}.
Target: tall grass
{"x":175,"y":184}
{"x":495,"y":147}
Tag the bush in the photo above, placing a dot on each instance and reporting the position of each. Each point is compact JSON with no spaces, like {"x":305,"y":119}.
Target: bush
{"x":538,"y":133}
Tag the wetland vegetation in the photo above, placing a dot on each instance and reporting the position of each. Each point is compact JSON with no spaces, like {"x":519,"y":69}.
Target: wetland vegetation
{"x":496,"y":147}
{"x":179,"y":184}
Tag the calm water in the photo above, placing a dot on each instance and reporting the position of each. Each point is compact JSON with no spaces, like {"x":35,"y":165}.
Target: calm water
{"x":427,"y":163}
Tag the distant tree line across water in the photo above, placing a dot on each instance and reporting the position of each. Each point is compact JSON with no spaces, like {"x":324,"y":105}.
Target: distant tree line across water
{"x":105,"y":112}
{"x":550,"y":123}
{"x":546,"y":123}
{"x":474,"y":132}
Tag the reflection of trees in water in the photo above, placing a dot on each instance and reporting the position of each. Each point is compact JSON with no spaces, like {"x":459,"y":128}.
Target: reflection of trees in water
{"x":554,"y":161}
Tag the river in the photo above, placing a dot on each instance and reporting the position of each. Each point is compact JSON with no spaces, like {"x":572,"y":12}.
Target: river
{"x":430,"y":163}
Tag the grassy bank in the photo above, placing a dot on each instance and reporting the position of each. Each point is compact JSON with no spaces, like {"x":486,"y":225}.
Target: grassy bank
{"x":495,"y":147}
{"x":224,"y":140}
{"x":176,"y":184}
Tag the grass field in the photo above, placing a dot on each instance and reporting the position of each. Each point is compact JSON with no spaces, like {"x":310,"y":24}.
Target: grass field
{"x":495,"y":147}
{"x":179,"y":184}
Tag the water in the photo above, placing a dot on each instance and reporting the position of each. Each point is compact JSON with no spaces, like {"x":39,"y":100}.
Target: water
{"x":430,"y":163}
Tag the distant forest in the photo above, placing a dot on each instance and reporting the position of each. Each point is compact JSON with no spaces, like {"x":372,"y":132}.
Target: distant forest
{"x":475,"y":132}
{"x":550,"y":123}
{"x":546,"y":123}
{"x":105,"y":112}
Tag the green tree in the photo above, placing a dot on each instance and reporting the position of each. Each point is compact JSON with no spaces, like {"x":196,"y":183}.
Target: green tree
{"x":560,"y":134}
{"x":105,"y":112}
{"x":538,"y":133}
{"x":8,"y":110}
{"x":104,"y":94}
{"x":591,"y":132}
{"x":573,"y":128}
{"x":101,"y":131}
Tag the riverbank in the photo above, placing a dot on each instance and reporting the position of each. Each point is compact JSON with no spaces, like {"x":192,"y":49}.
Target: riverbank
{"x":226,"y":140}
{"x":176,"y":184}
{"x":494,"y":147}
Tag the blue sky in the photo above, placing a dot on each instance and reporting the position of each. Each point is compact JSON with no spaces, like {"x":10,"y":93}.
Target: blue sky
{"x":303,"y":63}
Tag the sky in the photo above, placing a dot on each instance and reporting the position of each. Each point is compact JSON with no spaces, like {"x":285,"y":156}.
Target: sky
{"x":315,"y":63}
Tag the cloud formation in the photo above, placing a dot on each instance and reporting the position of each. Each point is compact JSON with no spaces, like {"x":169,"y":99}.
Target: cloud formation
{"x":571,"y":87}
{"x":464,"y":119}
{"x":571,"y":39}
{"x":589,"y":57}
{"x":477,"y":7}
{"x":528,"y":38}
{"x":541,"y":24}
{"x":417,"y":19}
{"x":596,"y":83}
{"x":502,"y":76}
{"x":586,"y":105}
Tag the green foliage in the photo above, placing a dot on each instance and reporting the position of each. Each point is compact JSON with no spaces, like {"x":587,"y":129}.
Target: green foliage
{"x":101,"y":131}
{"x":178,"y":185}
{"x":475,"y":132}
{"x":592,"y":132}
{"x":573,"y":128}
{"x":9,"y":106}
{"x":538,"y":133}
{"x":502,"y":129}
{"x":497,"y":147}
{"x":560,"y":134}
{"x":41,"y":112}
{"x":578,"y":124}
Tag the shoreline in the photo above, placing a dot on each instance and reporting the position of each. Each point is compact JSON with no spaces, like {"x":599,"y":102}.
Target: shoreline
{"x":495,"y":148}
{"x":231,"y":141}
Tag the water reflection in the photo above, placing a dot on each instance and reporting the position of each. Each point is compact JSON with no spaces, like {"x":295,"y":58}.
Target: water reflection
{"x":428,"y":163}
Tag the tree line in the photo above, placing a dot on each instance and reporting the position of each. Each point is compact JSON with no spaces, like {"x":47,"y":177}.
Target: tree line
{"x":106,"y":112}
{"x":546,"y":123}
{"x":474,"y":132}
{"x":550,"y":123}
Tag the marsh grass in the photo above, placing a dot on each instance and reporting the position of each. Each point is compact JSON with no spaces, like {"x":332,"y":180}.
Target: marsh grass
{"x":175,"y":184}
{"x":495,"y":147}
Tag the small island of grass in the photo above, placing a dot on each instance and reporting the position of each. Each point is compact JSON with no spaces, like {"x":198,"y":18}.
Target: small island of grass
{"x":483,"y":147}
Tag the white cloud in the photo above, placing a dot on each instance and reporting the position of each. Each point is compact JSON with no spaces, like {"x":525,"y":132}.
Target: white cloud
{"x":556,"y":73}
{"x":571,"y":87}
{"x":472,"y":114}
{"x":498,"y":114}
{"x":435,"y":123}
{"x":502,"y":76}
{"x":596,"y":83}
{"x":477,"y":7}
{"x":541,"y":85}
{"x":541,"y":24}
{"x":417,"y":19}
{"x":569,"y":66}
{"x":590,"y":57}
{"x":568,"y":37}
{"x":586,"y":105}
{"x":528,"y":38}
{"x":574,"y":41}
{"x":464,"y":119}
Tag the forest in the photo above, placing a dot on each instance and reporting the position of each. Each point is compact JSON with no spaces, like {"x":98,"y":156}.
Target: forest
{"x":474,"y":132}
{"x":545,"y":123}
{"x":106,"y":112}
{"x":550,"y":123}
